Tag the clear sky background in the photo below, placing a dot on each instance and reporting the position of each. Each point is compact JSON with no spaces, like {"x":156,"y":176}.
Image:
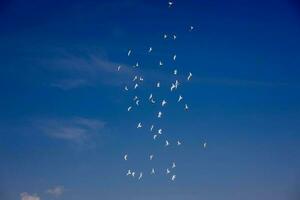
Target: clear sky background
{"x":64,"y":125}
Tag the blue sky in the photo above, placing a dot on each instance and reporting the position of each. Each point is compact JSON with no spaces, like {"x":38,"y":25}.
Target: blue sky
{"x":64,"y":127}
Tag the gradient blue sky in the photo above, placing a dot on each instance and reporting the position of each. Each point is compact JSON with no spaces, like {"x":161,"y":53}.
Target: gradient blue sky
{"x":63,"y":119}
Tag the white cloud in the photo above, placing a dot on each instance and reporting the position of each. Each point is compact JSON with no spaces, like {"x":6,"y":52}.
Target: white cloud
{"x":56,"y":191}
{"x":26,"y":196}
{"x":75,"y":129}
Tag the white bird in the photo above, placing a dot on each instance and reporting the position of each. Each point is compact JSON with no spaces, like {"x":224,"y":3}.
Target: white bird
{"x":129,"y":52}
{"x":174,"y":37}
{"x":151,"y":128}
{"x":141,"y":175}
{"x":133,"y":174}
{"x":139,"y":125}
{"x":137,"y":64}
{"x":135,"y":78}
{"x":191,"y":28}
{"x":161,"y":63}
{"x":158,"y":84}
{"x":190,"y":76}
{"x":151,"y":157}
{"x":141,"y":78}
{"x":174,"y":57}
{"x":154,"y":137}
{"x":129,"y":108}
{"x":128,"y":172}
{"x":173,"y":178}
{"x":159,"y":114}
{"x":176,"y":83}
{"x":165,"y":36}
{"x":152,"y":171}
{"x":167,"y":143}
{"x":150,"y":49}
{"x":137,"y":102}
{"x":178,"y":143}
{"x":150,"y":97}
{"x":172,"y":87}
{"x":186,"y":107}
{"x":168,"y":171}
{"x":152,"y":101}
{"x":204,"y":145}
{"x":126,"y":88}
{"x":135,"y":98}
{"x":173,"y":165}
{"x":164,"y":102}
{"x":175,"y":72}
{"x":125,"y":157}
{"x":170,"y":3}
{"x":136,"y":85}
{"x":180,"y":98}
{"x":119,"y":67}
{"x":159,"y":131}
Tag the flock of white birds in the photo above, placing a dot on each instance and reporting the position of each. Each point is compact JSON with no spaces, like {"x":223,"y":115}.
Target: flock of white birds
{"x":173,"y":87}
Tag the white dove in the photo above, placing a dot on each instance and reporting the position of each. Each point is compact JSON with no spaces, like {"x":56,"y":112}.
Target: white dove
{"x":141,"y":175}
{"x":119,"y":67}
{"x":129,"y":108}
{"x":204,"y":145}
{"x":159,"y":114}
{"x":173,"y":178}
{"x":170,"y":3}
{"x":172,"y":87}
{"x":137,"y":102}
{"x":190,"y":76}
{"x":165,"y":36}
{"x":161,"y":63}
{"x":167,"y":143}
{"x":128,"y":172}
{"x":191,"y":28}
{"x":158,"y":84}
{"x":152,"y":171}
{"x":139,"y":125}
{"x":159,"y":131}
{"x":150,"y":97}
{"x":133,"y":174}
{"x":174,"y":37}
{"x":164,"y":102}
{"x":125,"y":157}
{"x":136,"y":85}
{"x":150,"y":49}
{"x":151,"y":157}
{"x":174,"y":57}
{"x":168,"y":171}
{"x":173,"y":165}
{"x":126,"y":88}
{"x":151,"y":128}
{"x":152,"y":101}
{"x":135,"y":98}
{"x":178,"y":143}
{"x":141,"y":78}
{"x":176,"y":84}
{"x":180,"y":98}
{"x":154,"y":137}
{"x":135,"y":78}
{"x":175,"y":72}
{"x":186,"y":108}
{"x":129,"y":52}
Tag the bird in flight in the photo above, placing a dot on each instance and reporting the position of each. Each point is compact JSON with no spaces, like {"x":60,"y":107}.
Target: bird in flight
{"x":159,"y":114}
{"x":165,"y":36}
{"x":173,"y":165}
{"x":174,"y":37}
{"x":168,"y":171}
{"x":186,"y":108}
{"x":173,"y":87}
{"x":191,"y":28}
{"x":133,"y":174}
{"x":154,"y":137}
{"x":174,"y":57}
{"x":151,"y":156}
{"x":128,"y":172}
{"x":151,"y":128}
{"x":136,"y":85}
{"x":190,"y":76}
{"x":204,"y":145}
{"x":161,"y":63}
{"x":139,"y":125}
{"x":129,"y":52}
{"x":175,"y":72}
{"x":159,"y":131}
{"x":150,"y":49}
{"x":152,"y":171}
{"x":141,"y":175}
{"x":164,"y":102}
{"x":119,"y":67}
{"x":126,"y":88}
{"x":125,"y":157}
{"x":178,"y":143}
{"x":173,"y":178}
{"x":137,"y":102}
{"x":158,"y":84}
{"x":179,"y":98}
{"x":129,"y":108}
{"x":170,"y":3}
{"x":167,"y":143}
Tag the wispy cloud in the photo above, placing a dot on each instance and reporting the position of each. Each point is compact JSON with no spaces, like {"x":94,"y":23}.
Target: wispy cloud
{"x":56,"y":191}
{"x":75,"y":129}
{"x":26,"y":196}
